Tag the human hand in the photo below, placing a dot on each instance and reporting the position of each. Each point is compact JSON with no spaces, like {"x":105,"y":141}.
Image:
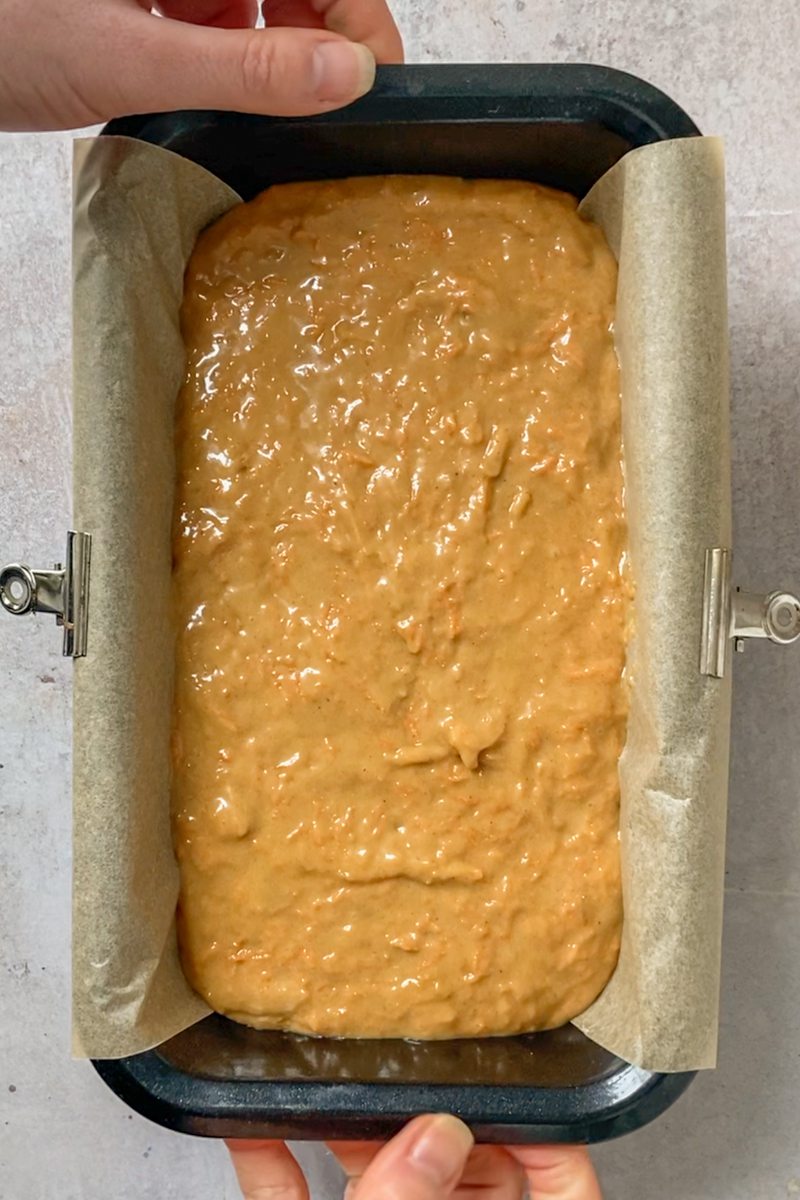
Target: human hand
{"x":432,"y":1158}
{"x":70,"y":63}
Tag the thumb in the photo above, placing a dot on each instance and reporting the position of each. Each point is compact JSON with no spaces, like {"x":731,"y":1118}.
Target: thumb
{"x":280,"y":72}
{"x":424,"y":1162}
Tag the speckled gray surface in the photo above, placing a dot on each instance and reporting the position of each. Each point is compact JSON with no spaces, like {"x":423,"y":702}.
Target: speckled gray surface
{"x":732,"y":64}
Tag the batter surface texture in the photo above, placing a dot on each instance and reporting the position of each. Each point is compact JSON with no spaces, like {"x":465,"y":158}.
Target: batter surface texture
{"x":402,"y":610}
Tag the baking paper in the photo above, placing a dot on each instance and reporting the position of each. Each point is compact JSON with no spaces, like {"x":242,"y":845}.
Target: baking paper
{"x":138,"y":210}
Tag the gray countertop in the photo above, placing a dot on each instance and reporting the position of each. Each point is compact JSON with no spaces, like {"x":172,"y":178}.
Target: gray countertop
{"x":732,"y":64}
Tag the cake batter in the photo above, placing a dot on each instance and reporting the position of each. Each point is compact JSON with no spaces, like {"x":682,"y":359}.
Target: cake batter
{"x":402,"y":608}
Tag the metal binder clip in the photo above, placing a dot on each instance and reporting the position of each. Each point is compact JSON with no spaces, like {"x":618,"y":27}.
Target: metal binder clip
{"x":63,"y":591}
{"x":733,"y":614}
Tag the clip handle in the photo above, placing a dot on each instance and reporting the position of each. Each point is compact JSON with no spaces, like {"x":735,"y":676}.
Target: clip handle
{"x":776,"y":616}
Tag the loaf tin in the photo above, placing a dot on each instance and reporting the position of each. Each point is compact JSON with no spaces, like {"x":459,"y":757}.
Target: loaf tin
{"x":559,"y":125}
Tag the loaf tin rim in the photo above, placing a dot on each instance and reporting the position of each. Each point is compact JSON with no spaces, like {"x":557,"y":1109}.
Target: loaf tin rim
{"x":304,"y":1110}
{"x":460,"y":91}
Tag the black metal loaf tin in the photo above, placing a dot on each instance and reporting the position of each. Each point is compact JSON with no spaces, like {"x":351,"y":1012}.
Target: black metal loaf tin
{"x":559,"y":125}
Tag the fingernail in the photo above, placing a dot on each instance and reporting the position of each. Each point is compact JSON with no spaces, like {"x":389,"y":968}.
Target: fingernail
{"x":441,"y":1148}
{"x":342,"y":71}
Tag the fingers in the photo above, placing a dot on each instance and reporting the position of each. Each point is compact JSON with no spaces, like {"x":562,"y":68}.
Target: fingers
{"x":282,"y":72}
{"x":297,"y":14}
{"x":267,"y":1171}
{"x":423,"y":1162}
{"x":558,"y":1172}
{"x":355,"y":1157}
{"x":492,"y":1172}
{"x":369,"y":22}
{"x":225,"y":14}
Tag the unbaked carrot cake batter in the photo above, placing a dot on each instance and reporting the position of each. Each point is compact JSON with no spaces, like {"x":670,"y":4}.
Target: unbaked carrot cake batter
{"x":402,"y":608}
